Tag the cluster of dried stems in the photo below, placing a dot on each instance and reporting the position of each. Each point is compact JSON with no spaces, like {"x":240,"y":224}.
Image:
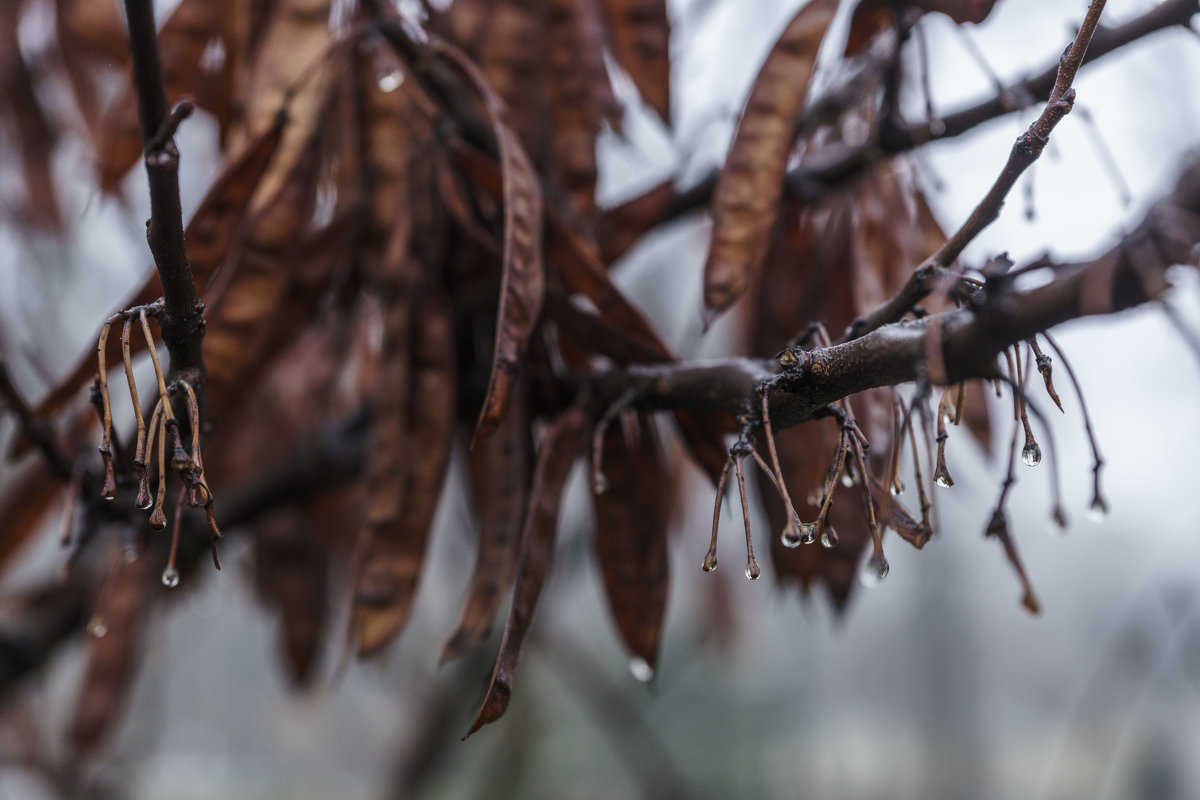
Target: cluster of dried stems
{"x":403,"y":250}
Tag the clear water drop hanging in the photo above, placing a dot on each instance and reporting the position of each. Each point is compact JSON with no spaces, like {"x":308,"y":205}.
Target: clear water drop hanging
{"x":752,"y":570}
{"x":808,"y":532}
{"x":875,"y":570}
{"x":790,"y":537}
{"x":1032,"y":454}
{"x":641,"y":669}
{"x":829,"y":538}
{"x":170,"y":577}
{"x":1098,"y":510}
{"x":709,"y":563}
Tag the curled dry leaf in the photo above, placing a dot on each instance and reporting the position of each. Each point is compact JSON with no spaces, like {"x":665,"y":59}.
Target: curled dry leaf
{"x":561,"y":444}
{"x":499,"y":472}
{"x":640,"y":34}
{"x":391,"y":567}
{"x":522,"y":281}
{"x":631,"y":537}
{"x":746,"y":199}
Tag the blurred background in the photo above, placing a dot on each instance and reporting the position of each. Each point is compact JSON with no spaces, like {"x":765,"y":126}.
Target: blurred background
{"x":936,"y":684}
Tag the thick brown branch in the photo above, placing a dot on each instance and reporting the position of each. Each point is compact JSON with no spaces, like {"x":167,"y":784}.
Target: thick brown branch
{"x":1129,"y":274}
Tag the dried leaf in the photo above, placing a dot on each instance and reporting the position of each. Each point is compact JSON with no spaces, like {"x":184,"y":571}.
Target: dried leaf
{"x":243,"y":299}
{"x":499,"y":471}
{"x":640,"y":34}
{"x":116,"y":627}
{"x":512,"y":63}
{"x":522,"y":282}
{"x":870,"y":18}
{"x":387,"y":582}
{"x":746,"y":198}
{"x":291,"y":558}
{"x":287,"y":69}
{"x":561,"y":443}
{"x":25,"y":118}
{"x":631,"y":537}
{"x":574,"y":118}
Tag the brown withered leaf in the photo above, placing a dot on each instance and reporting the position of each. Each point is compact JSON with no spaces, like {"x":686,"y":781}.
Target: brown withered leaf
{"x":574,"y":118}
{"x":391,"y":568}
{"x":23,"y":115}
{"x":631,"y":536}
{"x":522,"y":281}
{"x":117,"y":626}
{"x":499,"y":473}
{"x":191,"y":31}
{"x":288,"y":68}
{"x":243,"y":298}
{"x":640,"y":35}
{"x":209,"y":237}
{"x":746,"y":199}
{"x":561,"y":444}
{"x":291,"y":558}
{"x":27,"y":493}
{"x":512,"y":62}
{"x":870,"y":17}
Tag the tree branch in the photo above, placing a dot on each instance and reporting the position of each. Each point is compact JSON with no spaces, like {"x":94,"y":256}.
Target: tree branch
{"x":1129,"y":274}
{"x":182,"y":320}
{"x":835,"y":165}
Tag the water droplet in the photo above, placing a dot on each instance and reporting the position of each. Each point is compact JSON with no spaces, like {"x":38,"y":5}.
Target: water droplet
{"x":875,"y":570}
{"x":599,"y":483}
{"x":709,"y":563}
{"x":96,"y":628}
{"x":817,"y":496}
{"x":808,"y":532}
{"x":897,"y":487}
{"x":1032,"y":454}
{"x":847,"y":479}
{"x":170,"y":577}
{"x":390,"y":81}
{"x":1098,"y":510}
{"x":641,"y":670}
{"x":129,"y":552}
{"x":752,"y":570}
{"x":829,"y":538}
{"x":943,"y":480}
{"x":790,"y":537}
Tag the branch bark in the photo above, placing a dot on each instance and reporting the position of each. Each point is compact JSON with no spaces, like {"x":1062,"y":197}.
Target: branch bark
{"x":1131,"y":273}
{"x":182,"y":320}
